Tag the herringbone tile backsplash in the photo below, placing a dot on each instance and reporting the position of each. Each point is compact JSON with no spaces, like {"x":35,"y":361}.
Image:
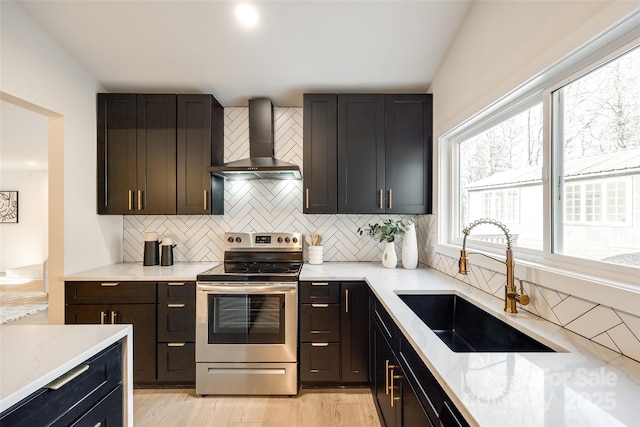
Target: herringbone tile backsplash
{"x":259,"y":205}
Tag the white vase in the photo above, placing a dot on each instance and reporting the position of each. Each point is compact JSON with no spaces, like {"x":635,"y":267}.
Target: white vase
{"x":410,"y":248}
{"x":389,"y":257}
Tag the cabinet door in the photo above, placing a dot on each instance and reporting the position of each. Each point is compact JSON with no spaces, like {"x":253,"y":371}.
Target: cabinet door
{"x":320,"y":150}
{"x":354,"y":335}
{"x":116,"y":181}
{"x":199,"y":145}
{"x":143,"y":319}
{"x":87,"y":314}
{"x":408,"y":153}
{"x":361,"y":174}
{"x":176,"y":321}
{"x":383,"y":359}
{"x":320,"y":362}
{"x":156,"y":155}
{"x":177,"y":362}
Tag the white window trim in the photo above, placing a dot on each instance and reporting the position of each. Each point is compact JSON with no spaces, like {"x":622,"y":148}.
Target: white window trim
{"x":612,"y":285}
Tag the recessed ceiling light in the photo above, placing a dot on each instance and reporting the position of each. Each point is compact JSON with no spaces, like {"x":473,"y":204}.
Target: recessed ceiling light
{"x":246,"y":14}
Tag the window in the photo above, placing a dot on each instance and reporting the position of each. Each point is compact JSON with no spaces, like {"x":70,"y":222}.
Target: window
{"x":496,"y":167}
{"x":596,"y":122}
{"x":557,"y":163}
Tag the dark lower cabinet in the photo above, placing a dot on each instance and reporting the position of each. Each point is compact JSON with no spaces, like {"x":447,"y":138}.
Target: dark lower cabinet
{"x":405,"y":391}
{"x":163,"y":316}
{"x":88,"y":394}
{"x":334,"y":333}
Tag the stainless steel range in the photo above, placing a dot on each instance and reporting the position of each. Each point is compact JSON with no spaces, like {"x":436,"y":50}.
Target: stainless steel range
{"x":246,"y":317}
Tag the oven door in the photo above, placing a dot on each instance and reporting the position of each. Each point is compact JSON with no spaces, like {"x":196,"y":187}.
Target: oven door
{"x":246,"y":322}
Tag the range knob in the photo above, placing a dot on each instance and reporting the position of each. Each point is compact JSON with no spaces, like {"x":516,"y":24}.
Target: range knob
{"x":287,"y":239}
{"x":238,"y":240}
{"x":279,"y":239}
{"x":295,"y":240}
{"x":230,"y":240}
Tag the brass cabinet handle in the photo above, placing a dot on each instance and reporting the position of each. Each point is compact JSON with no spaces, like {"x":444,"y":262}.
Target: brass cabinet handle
{"x":175,"y":344}
{"x":319,"y":283}
{"x":319,"y":305}
{"x":98,"y":424}
{"x":139,"y":200}
{"x":109,"y":284}
{"x":393,"y":377}
{"x":380,"y":199}
{"x":113,"y":317}
{"x":390,"y":199}
{"x":176,"y":283}
{"x":68,"y":377}
{"x":386,"y":377}
{"x":346,"y":300}
{"x":175,"y":305}
{"x":306,"y":198}
{"x":103,"y":315}
{"x":130,"y":200}
{"x":206,"y":200}
{"x":319,"y":344}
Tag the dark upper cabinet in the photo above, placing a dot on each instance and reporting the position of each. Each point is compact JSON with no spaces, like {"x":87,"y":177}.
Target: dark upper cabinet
{"x":320,"y":149}
{"x":408,"y":153}
{"x":154,"y":151}
{"x":361,"y":146}
{"x":378,"y":153}
{"x":200,"y":130}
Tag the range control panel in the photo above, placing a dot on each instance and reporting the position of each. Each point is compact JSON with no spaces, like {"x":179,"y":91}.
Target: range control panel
{"x":263,"y":241}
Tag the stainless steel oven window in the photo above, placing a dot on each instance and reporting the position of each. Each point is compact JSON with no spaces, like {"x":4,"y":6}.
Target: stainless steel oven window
{"x":246,"y":319}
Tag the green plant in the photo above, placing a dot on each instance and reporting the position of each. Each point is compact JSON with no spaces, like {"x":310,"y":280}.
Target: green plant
{"x":386,"y":230}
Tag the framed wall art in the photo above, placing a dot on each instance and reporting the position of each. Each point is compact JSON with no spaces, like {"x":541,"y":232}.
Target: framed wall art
{"x":8,"y":206}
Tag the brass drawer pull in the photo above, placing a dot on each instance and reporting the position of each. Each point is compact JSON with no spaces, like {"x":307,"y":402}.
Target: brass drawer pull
{"x":175,"y":305}
{"x":346,"y":300}
{"x":319,"y":305}
{"x":319,"y":283}
{"x":319,"y":344}
{"x":176,"y":283}
{"x":175,"y":344}
{"x":109,"y":284}
{"x":68,"y":377}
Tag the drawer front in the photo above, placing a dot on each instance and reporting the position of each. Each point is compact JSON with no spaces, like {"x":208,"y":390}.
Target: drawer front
{"x":169,"y":292}
{"x":319,"y":292}
{"x":88,"y":384}
{"x":176,"y":321}
{"x":110,"y":292}
{"x":177,"y":362}
{"x":320,"y":323}
{"x":319,"y":362}
{"x":107,"y":412}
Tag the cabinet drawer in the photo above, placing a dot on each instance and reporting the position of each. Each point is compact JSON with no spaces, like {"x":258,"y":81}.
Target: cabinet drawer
{"x":176,"y":321}
{"x":320,"y":362}
{"x":87,"y":384}
{"x":319,"y":292}
{"x":320,"y":322}
{"x":110,"y":291}
{"x":172,"y":292}
{"x":107,"y":412}
{"x":177,"y":362}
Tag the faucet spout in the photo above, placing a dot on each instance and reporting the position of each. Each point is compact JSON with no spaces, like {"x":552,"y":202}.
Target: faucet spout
{"x":511,"y":295}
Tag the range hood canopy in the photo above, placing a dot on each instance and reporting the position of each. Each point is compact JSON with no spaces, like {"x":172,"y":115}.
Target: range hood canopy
{"x":261,"y":164}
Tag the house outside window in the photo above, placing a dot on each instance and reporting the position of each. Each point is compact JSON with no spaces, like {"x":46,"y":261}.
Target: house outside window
{"x":603,"y":202}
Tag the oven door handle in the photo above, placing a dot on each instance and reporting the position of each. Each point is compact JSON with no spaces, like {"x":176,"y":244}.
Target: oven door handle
{"x":251,"y":289}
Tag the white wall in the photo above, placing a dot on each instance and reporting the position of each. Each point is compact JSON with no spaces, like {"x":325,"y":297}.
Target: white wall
{"x":37,"y":69}
{"x":25,"y":243}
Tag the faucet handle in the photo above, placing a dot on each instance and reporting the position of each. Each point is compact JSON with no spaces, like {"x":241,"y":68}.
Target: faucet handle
{"x":523,"y":298}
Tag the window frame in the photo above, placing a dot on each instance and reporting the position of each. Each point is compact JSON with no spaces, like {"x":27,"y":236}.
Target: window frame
{"x":575,"y":276}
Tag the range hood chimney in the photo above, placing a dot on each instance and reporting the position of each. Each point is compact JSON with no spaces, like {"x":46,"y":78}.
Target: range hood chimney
{"x":261,"y":164}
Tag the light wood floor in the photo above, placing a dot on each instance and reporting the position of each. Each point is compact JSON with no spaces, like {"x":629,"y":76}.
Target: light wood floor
{"x":311,"y":408}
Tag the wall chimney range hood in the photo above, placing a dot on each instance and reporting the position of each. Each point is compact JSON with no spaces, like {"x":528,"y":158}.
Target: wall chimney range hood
{"x":261,"y":164}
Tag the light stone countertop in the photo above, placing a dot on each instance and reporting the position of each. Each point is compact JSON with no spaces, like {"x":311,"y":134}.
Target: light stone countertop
{"x":32,"y":356}
{"x":582,"y":384}
{"x":136,"y":271}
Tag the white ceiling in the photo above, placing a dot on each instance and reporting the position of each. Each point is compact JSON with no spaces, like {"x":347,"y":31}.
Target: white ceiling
{"x":297,"y":46}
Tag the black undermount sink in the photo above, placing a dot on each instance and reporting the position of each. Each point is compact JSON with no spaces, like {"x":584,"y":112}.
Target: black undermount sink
{"x":465,"y":328}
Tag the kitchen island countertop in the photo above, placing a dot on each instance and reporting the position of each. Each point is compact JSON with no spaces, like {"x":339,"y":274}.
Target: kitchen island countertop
{"x":32,"y":356}
{"x":583,"y":383}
